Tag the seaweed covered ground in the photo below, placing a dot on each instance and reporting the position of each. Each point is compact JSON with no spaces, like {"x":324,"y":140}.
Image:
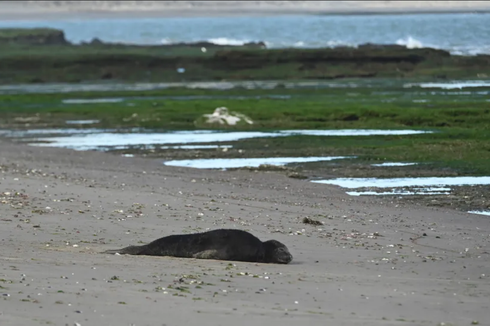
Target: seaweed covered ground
{"x":459,"y":121}
{"x":44,"y":56}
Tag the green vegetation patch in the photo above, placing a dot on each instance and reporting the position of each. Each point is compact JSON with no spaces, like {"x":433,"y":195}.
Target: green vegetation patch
{"x":460,"y":121}
{"x":43,"y":56}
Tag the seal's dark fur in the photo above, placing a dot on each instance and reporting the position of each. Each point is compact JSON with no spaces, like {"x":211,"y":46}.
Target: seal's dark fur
{"x":223,"y":244}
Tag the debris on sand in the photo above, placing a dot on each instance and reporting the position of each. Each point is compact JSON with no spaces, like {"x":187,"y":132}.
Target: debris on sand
{"x":311,"y":221}
{"x":223,"y":116}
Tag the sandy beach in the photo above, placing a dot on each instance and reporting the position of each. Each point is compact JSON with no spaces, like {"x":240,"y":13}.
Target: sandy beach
{"x":366,"y":261}
{"x":18,"y":10}
{"x":371,"y":262}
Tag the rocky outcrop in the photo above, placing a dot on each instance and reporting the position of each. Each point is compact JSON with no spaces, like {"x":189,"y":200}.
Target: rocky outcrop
{"x":199,"y":44}
{"x":204,"y":61}
{"x":368,"y":53}
{"x":37,"y":36}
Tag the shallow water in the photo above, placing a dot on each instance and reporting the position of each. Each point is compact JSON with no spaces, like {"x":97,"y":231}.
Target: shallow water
{"x":393,"y":164}
{"x":92,"y":100}
{"x":452,"y":85}
{"x":153,"y":147}
{"x":480,"y":212}
{"x":405,"y":182}
{"x":228,"y":163}
{"x":28,"y":134}
{"x":401,"y":192}
{"x":353,"y":132}
{"x":176,"y":98}
{"x":196,"y":147}
{"x":457,"y":33}
{"x":218,"y":85}
{"x":95,"y":140}
{"x":222,"y":85}
{"x":81,"y":122}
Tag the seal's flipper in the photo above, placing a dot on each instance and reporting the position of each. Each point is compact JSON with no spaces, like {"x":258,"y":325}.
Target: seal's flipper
{"x":111,"y":252}
{"x":208,"y":254}
{"x":131,"y":250}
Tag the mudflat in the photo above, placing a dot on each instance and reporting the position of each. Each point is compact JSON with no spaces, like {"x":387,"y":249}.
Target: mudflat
{"x":358,"y":260}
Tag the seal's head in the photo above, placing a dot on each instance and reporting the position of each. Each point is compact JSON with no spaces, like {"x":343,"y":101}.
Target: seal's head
{"x":276,"y":252}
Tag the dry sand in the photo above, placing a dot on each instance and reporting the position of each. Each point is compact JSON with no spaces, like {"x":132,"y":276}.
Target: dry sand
{"x":14,"y":10}
{"x":369,"y":264}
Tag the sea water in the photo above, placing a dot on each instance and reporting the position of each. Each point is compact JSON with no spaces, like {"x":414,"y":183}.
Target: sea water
{"x":458,"y":33}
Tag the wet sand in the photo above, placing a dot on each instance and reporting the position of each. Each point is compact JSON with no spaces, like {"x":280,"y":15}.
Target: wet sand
{"x":17,"y":10}
{"x":372,"y":262}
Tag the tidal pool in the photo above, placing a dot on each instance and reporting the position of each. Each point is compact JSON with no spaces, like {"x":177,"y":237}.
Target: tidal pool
{"x":175,"y":98}
{"x":100,"y":140}
{"x":81,"y":122}
{"x":405,"y":182}
{"x":220,"y":85}
{"x":452,"y":85}
{"x":480,"y":212}
{"x":152,"y":147}
{"x":196,"y":147}
{"x":418,"y":186}
{"x":33,"y":133}
{"x":393,"y":164}
{"x":401,"y":192}
{"x":353,"y":132}
{"x":92,"y":100}
{"x":228,"y":163}
{"x":95,"y":140}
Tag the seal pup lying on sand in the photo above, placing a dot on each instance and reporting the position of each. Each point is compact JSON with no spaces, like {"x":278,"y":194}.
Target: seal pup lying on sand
{"x":223,"y":244}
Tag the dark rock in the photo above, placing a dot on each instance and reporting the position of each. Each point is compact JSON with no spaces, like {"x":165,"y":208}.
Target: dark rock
{"x":350,"y":117}
{"x":106,"y":75}
{"x":36,"y":80}
{"x":311,"y":221}
{"x":96,"y":41}
{"x":41,"y":36}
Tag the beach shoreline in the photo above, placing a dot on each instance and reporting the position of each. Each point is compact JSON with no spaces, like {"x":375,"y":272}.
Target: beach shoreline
{"x":370,"y":262}
{"x":357,"y":260}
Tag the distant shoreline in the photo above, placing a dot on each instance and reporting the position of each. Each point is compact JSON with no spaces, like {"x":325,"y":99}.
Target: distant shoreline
{"x":421,"y":12}
{"x":12,"y":11}
{"x":163,"y":15}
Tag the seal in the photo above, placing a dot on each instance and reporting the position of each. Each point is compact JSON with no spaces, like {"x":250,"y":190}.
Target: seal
{"x":221,"y":244}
